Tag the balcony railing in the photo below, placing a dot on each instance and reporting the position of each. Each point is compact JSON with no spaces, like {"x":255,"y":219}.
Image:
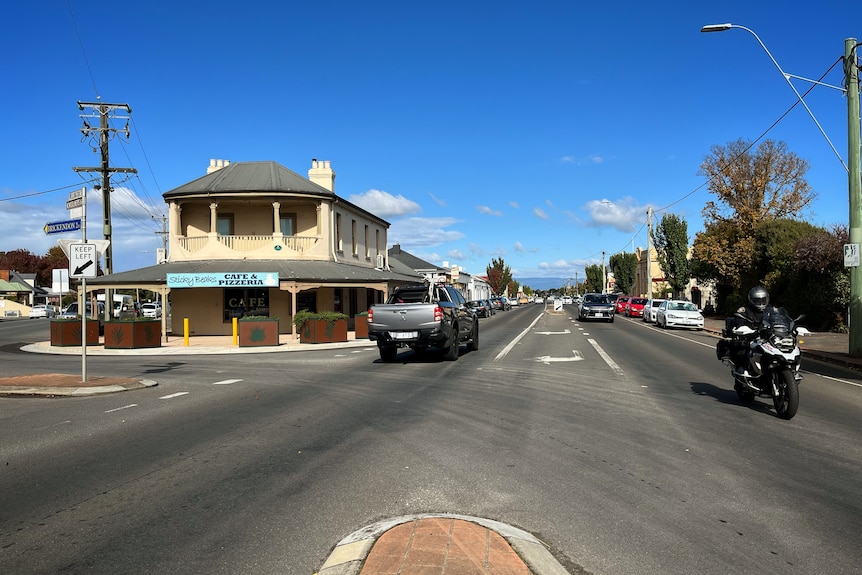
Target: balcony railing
{"x":298,"y":244}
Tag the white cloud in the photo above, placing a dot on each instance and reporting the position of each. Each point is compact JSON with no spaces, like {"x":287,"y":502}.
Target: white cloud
{"x":384,"y":204}
{"x":514,"y":205}
{"x":519,"y":248}
{"x":438,"y":201}
{"x":624,"y":214}
{"x":423,"y":232}
{"x":540,"y":213}
{"x":455,"y":255}
{"x":488,"y":211}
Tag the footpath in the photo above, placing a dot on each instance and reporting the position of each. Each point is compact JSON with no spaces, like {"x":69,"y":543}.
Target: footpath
{"x":418,"y":544}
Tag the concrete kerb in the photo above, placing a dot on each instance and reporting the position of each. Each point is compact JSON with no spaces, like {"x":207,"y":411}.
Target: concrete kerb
{"x":46,"y":347}
{"x":348,"y":555}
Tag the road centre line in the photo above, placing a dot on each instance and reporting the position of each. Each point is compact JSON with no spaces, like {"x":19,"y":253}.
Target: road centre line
{"x":173,"y":395}
{"x":518,"y":338}
{"x":611,"y":363}
{"x":227,"y":381}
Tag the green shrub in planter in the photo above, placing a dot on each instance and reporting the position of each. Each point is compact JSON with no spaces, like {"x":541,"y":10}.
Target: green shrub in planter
{"x":321,"y":327}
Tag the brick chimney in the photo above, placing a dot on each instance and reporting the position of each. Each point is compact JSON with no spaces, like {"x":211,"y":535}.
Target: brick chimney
{"x":322,"y":175}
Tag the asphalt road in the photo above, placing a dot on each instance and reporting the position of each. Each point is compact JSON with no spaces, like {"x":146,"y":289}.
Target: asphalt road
{"x":621,"y":446}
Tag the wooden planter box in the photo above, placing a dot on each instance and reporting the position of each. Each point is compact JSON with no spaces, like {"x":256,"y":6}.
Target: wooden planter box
{"x":322,"y":331}
{"x":68,"y":333}
{"x":258,"y":332}
{"x":133,"y":334}
{"x":361,"y":326}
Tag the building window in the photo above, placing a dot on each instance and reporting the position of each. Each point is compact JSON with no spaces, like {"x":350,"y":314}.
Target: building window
{"x":287,"y":224}
{"x":354,"y":239}
{"x":367,"y":245}
{"x":224,"y":224}
{"x":239,"y":302}
{"x":339,"y":239}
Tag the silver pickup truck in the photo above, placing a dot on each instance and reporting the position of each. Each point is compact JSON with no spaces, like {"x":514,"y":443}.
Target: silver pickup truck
{"x":421,"y":317}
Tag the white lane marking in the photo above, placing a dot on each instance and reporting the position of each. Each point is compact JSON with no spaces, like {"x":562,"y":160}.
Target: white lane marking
{"x":173,"y":395}
{"x":121,"y":408}
{"x":515,"y":341}
{"x":227,"y":381}
{"x":553,"y":332}
{"x":611,"y":363}
{"x":547,"y":360}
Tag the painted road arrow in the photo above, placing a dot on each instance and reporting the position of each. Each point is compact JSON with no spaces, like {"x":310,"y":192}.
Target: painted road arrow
{"x":552,"y":332}
{"x":547,"y":359}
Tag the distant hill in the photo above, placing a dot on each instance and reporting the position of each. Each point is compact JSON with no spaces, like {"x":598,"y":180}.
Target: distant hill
{"x":542,"y":284}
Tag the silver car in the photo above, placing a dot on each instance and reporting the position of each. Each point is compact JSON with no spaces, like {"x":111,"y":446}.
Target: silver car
{"x":40,"y":311}
{"x":650,"y":309}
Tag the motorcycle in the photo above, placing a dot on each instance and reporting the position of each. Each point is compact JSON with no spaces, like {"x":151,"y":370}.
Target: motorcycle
{"x":772,"y":359}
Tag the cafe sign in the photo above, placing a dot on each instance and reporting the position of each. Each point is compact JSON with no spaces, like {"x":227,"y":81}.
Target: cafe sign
{"x":223,"y":280}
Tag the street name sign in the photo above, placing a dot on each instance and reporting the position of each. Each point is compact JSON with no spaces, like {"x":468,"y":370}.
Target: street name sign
{"x":60,"y":227}
{"x":83,"y":260}
{"x":76,"y":203}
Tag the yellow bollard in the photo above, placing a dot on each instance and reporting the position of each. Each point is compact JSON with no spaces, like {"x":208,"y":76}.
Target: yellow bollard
{"x":234,"y":327}
{"x":186,"y":331}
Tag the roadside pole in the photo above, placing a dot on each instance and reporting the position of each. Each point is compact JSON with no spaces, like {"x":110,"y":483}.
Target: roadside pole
{"x":82,"y":307}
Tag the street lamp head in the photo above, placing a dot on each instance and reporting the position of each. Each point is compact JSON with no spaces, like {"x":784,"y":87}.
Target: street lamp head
{"x":716,"y":27}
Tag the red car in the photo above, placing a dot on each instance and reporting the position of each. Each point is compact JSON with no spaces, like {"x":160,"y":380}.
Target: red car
{"x":635,"y":307}
{"x":621,"y":303}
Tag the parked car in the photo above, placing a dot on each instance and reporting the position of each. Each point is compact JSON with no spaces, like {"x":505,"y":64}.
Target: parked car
{"x":679,"y":313}
{"x":621,"y":304}
{"x":40,"y":311}
{"x":151,"y":310}
{"x":567,"y":300}
{"x":491,"y":310}
{"x":513,"y":301}
{"x":635,"y":307}
{"x":650,"y":309}
{"x":597,"y":306}
{"x":479,"y":307}
{"x":71,"y":312}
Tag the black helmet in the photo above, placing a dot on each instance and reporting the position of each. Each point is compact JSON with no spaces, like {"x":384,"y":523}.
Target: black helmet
{"x":758,"y":297}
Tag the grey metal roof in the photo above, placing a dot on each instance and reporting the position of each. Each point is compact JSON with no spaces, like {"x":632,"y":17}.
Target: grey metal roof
{"x":292,"y":270}
{"x":250,"y":177}
{"x":408,"y":260}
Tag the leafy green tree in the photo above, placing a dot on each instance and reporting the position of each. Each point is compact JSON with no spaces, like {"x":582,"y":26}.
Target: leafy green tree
{"x":499,"y":276}
{"x":670,"y":239}
{"x":593,"y":282}
{"x":624,"y":266}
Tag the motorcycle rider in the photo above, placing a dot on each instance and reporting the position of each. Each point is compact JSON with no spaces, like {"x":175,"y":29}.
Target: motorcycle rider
{"x":752,"y":314}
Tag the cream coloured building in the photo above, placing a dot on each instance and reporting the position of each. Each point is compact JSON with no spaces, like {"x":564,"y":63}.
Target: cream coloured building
{"x":254,"y":238}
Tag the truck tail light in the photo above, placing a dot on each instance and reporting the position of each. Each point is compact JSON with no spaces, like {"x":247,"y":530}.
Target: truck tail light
{"x":438,"y":313}
{"x":370,"y":316}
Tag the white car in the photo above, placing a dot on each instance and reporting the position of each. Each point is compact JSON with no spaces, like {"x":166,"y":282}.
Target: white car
{"x":151,"y":310}
{"x":679,"y":313}
{"x":650,"y":309}
{"x":567,"y":300}
{"x":39,"y":311}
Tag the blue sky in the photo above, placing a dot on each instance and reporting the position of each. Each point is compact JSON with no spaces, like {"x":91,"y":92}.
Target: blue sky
{"x":539,"y":132}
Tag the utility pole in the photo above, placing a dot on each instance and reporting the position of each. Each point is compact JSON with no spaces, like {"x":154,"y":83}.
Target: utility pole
{"x":604,"y":277}
{"x":649,"y":285}
{"x":164,"y":234}
{"x":851,"y":74}
{"x":104,"y":112}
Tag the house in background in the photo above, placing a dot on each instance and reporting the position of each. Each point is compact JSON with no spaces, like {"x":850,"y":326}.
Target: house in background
{"x":254,"y":238}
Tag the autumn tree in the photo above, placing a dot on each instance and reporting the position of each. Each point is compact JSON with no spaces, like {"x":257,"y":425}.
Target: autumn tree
{"x":625,"y":267}
{"x":670,"y":239}
{"x":751,"y":187}
{"x":499,"y":276}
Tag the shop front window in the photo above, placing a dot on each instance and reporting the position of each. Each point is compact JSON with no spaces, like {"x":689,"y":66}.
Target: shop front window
{"x":239,"y":302}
